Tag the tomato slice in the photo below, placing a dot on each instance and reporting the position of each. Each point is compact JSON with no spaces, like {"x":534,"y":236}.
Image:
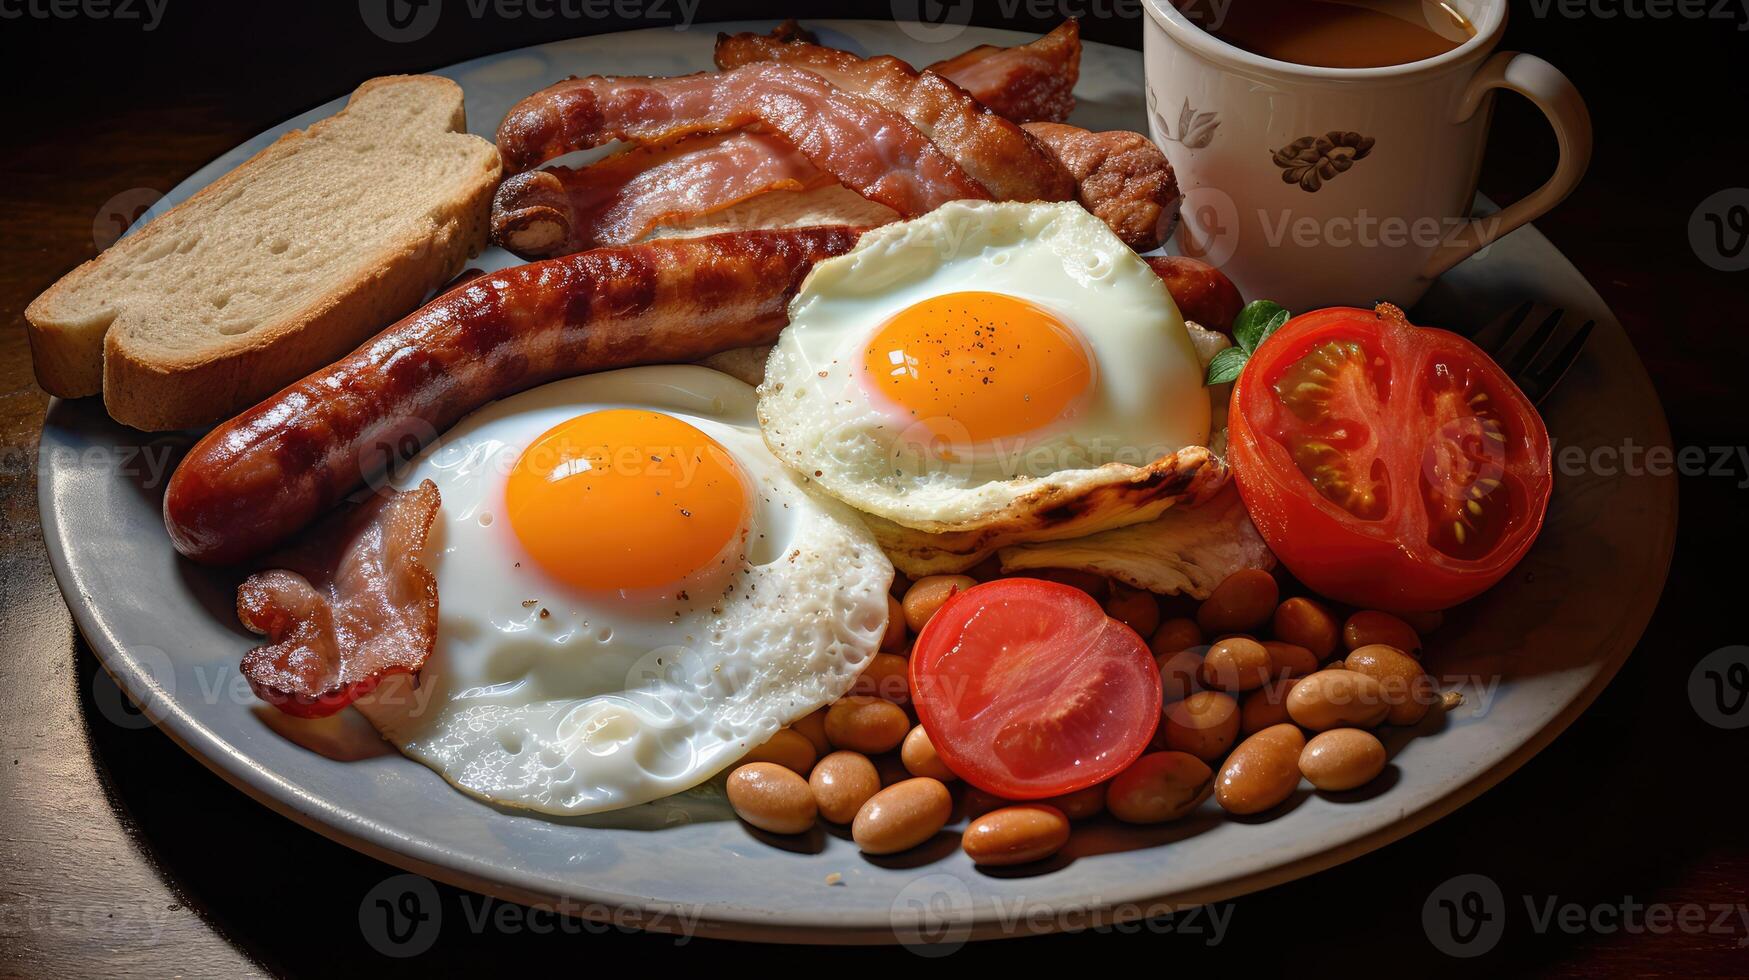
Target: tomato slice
{"x":1027,"y":689}
{"x":1387,"y":465}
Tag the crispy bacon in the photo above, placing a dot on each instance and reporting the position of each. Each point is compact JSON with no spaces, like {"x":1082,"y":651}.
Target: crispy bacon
{"x":1027,"y":83}
{"x":869,"y":149}
{"x":560,"y":210}
{"x":792,"y":30}
{"x":1123,"y":179}
{"x":1011,"y":165}
{"x":352,"y":603}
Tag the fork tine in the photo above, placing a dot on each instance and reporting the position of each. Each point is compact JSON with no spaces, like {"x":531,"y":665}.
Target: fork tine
{"x":1494,"y":335}
{"x":1537,"y":383}
{"x":1520,"y":353}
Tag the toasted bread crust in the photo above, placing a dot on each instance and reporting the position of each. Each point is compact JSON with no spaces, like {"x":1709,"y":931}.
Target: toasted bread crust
{"x":152,"y":392}
{"x":155,"y":386}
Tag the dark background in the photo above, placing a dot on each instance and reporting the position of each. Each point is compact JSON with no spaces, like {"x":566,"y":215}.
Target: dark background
{"x":1632,"y":803}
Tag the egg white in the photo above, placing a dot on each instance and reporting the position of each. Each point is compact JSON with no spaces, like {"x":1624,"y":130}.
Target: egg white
{"x":543,"y":697}
{"x":1148,"y":401}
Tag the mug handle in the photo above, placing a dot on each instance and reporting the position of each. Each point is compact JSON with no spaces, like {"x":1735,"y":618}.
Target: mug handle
{"x":1543,"y":84}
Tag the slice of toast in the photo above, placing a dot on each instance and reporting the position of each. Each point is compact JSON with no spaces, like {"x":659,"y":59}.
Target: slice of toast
{"x":277,"y":268}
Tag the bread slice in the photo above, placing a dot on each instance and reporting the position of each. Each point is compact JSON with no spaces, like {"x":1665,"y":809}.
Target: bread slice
{"x":277,"y":268}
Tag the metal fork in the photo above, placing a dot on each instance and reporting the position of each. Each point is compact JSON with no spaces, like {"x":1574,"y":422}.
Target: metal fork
{"x":1523,"y":342}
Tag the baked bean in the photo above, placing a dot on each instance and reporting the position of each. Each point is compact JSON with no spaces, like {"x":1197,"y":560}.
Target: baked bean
{"x":1370,"y":626}
{"x":1336,"y":698}
{"x":1236,"y":663}
{"x":891,"y":768}
{"x":1243,"y":601}
{"x":1178,"y":674}
{"x":975,"y":802}
{"x":1289,"y":659}
{"x":1082,"y":803}
{"x":1304,"y":622}
{"x":894,"y":640}
{"x":918,"y":755}
{"x":842,"y":782}
{"x":901,"y":584}
{"x":927,"y":594}
{"x":1406,"y":687}
{"x":1205,"y":725}
{"x":886,"y":676}
{"x":1135,"y":608}
{"x":1160,"y":786}
{"x":1423,"y":623}
{"x":902,"y":816}
{"x":1016,"y":835}
{"x":1262,"y":771}
{"x":813,"y":728}
{"x":1342,"y":758}
{"x":1264,"y":707}
{"x":866,"y":724}
{"x":772,"y":798}
{"x":1078,"y":805}
{"x":788,"y":748}
{"x":1174,"y":635}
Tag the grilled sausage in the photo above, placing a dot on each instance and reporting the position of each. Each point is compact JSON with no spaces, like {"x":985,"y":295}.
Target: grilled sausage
{"x":254,"y":481}
{"x":1203,"y":293}
{"x":1122,"y":177}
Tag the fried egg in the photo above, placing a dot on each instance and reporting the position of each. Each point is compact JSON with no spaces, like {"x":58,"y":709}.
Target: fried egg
{"x":632,"y":593}
{"x":989,"y":365}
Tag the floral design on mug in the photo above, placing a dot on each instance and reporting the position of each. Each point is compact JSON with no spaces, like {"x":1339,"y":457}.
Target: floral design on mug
{"x":1195,"y":129}
{"x":1311,"y":160}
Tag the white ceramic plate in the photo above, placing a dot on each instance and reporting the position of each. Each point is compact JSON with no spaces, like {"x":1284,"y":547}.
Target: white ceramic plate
{"x":1541,"y":645}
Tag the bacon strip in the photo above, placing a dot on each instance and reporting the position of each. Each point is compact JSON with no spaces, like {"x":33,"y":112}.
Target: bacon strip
{"x":1119,"y":176}
{"x":352,"y":603}
{"x":1027,"y":83}
{"x":1123,"y":179}
{"x":993,"y":150}
{"x":560,"y":210}
{"x":869,"y":149}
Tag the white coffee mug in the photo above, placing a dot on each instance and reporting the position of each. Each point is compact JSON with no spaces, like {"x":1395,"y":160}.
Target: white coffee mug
{"x":1343,"y":186}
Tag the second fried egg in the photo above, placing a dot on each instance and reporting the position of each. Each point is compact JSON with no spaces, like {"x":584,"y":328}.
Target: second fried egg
{"x":956,"y":371}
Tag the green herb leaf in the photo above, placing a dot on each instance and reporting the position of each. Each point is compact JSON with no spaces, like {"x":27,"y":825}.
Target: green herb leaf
{"x":1226,"y":366}
{"x":1251,"y":328}
{"x":1256,"y":322}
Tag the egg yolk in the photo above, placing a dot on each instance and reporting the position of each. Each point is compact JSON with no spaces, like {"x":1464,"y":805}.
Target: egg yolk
{"x":979,"y":365}
{"x":625,"y":499}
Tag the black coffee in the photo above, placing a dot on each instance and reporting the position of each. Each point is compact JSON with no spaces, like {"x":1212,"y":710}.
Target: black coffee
{"x":1334,"y":33}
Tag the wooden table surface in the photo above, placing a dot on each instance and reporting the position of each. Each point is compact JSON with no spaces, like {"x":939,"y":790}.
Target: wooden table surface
{"x":121,"y":855}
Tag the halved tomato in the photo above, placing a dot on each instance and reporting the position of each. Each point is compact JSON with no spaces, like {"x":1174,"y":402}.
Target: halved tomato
{"x":1028,"y":689}
{"x":1388,"y":465}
